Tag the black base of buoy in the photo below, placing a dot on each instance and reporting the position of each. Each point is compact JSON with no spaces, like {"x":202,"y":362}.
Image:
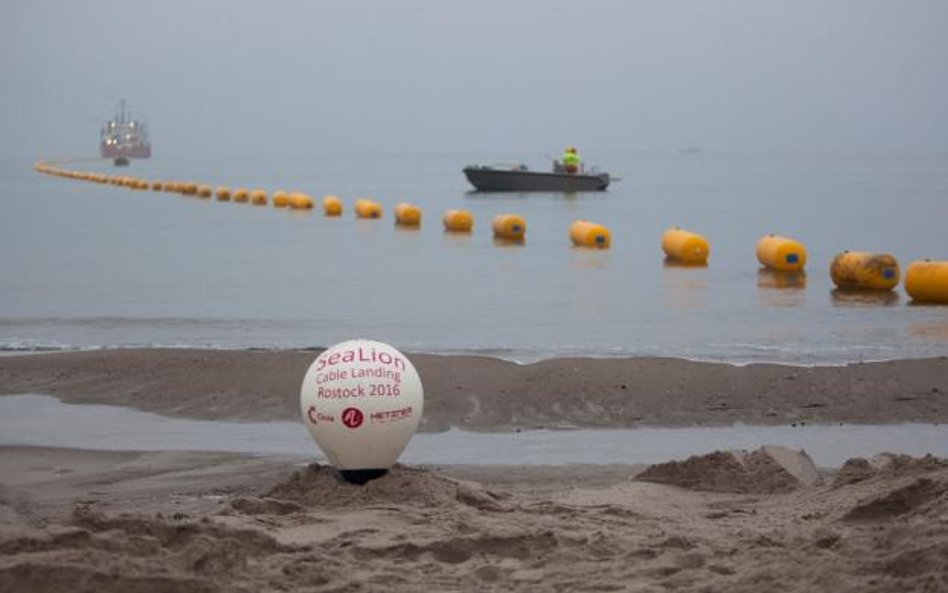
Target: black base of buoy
{"x":361,"y":476}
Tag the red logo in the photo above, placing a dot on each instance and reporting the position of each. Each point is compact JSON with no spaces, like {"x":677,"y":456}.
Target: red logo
{"x":352,"y":417}
{"x":311,"y":414}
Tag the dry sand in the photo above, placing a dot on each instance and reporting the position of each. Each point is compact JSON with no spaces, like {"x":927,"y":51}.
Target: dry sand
{"x":94,"y":521}
{"x":749,"y":521}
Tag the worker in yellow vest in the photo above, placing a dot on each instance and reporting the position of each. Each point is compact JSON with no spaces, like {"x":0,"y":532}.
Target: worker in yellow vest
{"x":571,"y":161}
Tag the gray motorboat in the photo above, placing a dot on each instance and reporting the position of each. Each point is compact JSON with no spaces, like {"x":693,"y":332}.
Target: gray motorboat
{"x":519,"y":178}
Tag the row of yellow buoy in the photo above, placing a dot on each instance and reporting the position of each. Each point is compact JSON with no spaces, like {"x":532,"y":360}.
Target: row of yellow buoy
{"x":925,"y":281}
{"x":240,"y":195}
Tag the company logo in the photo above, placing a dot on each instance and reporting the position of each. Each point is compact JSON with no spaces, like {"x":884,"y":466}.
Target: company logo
{"x":352,"y":417}
{"x":318,"y":417}
{"x":391,"y":415}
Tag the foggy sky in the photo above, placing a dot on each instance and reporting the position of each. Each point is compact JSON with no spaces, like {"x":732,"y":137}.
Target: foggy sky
{"x":490,"y":77}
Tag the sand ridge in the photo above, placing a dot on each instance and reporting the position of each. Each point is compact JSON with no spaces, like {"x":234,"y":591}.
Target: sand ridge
{"x":487,"y":394}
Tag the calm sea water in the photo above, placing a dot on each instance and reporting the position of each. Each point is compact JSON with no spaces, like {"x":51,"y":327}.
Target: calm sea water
{"x":88,"y":266}
{"x":37,"y":420}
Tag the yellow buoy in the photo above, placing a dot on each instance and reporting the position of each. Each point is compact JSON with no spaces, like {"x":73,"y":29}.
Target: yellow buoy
{"x":458,"y":221}
{"x":258,"y":197}
{"x":781,"y":253}
{"x":167,"y":186}
{"x":241,"y":195}
{"x":509,"y":226}
{"x":927,"y":281}
{"x":684,"y":246}
{"x":189,"y":189}
{"x":204,"y":191}
{"x":407,"y":214}
{"x":155,"y":185}
{"x":332,"y":206}
{"x":280,"y":199}
{"x":222,"y":193}
{"x":367,"y":209}
{"x":858,"y":270}
{"x":300,"y":201}
{"x":589,"y":234}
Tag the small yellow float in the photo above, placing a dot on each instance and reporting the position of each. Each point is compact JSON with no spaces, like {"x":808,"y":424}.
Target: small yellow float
{"x":458,"y":221}
{"x":407,"y":214}
{"x":241,"y":195}
{"x":859,"y":270}
{"x":258,"y":197}
{"x":280,"y":199}
{"x":589,"y":234}
{"x":510,"y":227}
{"x":684,"y":246}
{"x":367,"y":209}
{"x":300,"y":201}
{"x":332,"y":206}
{"x":781,"y":253}
{"x":927,"y":281}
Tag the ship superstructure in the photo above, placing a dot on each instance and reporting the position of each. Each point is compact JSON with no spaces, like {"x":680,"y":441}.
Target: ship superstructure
{"x":124,"y":137}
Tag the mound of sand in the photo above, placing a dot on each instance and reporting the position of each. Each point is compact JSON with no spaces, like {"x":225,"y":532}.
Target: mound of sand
{"x":768,"y":470}
{"x":902,"y":487}
{"x":321,"y":486}
{"x":859,"y":469}
{"x":420,"y":530}
{"x":92,"y":552}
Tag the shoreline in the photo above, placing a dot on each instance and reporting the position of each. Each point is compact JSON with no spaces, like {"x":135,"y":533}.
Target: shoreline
{"x":518,"y":357}
{"x":487,"y":394}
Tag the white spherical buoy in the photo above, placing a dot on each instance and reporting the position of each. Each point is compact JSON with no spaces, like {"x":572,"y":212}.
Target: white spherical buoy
{"x":362,"y":401}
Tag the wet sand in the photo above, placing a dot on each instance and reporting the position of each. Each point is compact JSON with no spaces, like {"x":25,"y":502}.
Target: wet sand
{"x":77,"y":520}
{"x":487,"y":394}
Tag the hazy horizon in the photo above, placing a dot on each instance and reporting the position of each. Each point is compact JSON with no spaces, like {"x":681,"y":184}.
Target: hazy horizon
{"x":488,"y":77}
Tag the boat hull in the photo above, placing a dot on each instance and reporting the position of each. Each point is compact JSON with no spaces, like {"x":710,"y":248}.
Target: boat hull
{"x":487,"y":179}
{"x":128,"y":151}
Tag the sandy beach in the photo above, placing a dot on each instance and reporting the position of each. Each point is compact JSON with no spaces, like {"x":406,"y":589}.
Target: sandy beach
{"x":489,"y":394}
{"x":82,"y":520}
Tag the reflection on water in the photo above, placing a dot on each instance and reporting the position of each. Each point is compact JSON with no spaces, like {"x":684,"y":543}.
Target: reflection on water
{"x":502,"y":242}
{"x":408,"y":229}
{"x":670,"y":262}
{"x":781,"y":289}
{"x":926,"y":304}
{"x":585,"y":258}
{"x":684,"y":286}
{"x":38,"y":420}
{"x":937,"y":330}
{"x":456,"y":240}
{"x":767,"y":278}
{"x":864,"y":298}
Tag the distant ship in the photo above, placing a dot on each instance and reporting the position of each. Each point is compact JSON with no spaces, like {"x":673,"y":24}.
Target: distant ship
{"x":124,"y":138}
